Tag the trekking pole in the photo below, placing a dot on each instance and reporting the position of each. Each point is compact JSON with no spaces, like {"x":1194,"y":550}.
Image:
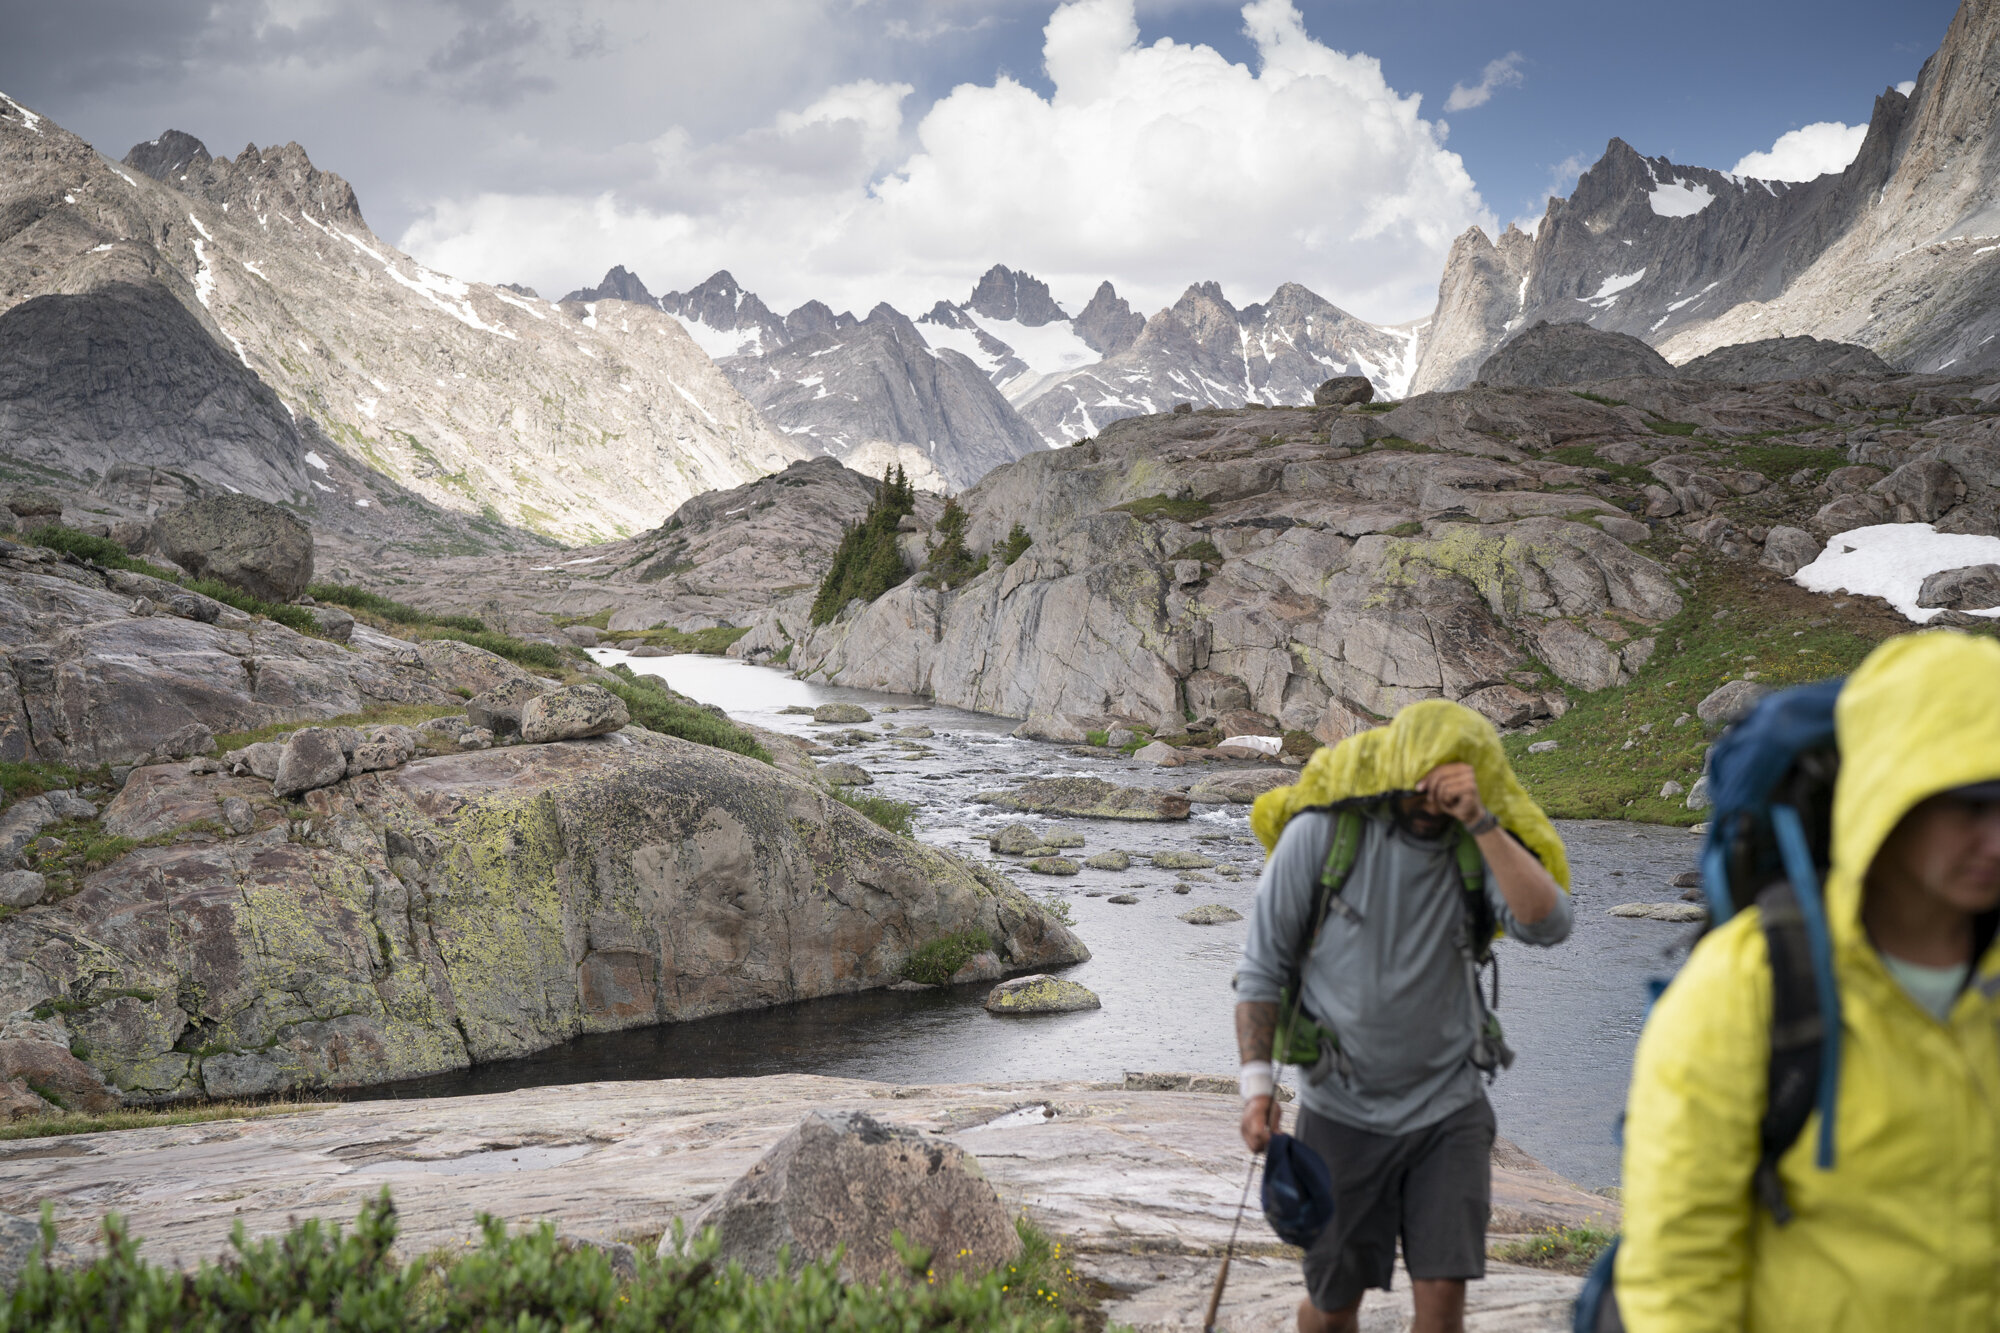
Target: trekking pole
{"x":1222,"y":1274}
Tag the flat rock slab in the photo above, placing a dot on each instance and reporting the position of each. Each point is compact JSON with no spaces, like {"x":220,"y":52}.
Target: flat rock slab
{"x":1088,"y":798}
{"x":1120,"y":1175}
{"x":1661,"y":911}
{"x":1241,"y":788}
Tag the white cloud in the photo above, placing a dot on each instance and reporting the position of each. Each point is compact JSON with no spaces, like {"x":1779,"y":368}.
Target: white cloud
{"x":1155,"y":166}
{"x":1806,"y":153}
{"x":1502,"y":73}
{"x":1906,"y":87}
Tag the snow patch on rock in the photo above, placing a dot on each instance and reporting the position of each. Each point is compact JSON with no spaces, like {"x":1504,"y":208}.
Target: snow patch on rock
{"x":1892,"y":560}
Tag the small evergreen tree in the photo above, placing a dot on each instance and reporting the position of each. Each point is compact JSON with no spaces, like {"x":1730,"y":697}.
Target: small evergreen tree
{"x":866,"y":564}
{"x":1017,"y":542}
{"x":950,"y":563}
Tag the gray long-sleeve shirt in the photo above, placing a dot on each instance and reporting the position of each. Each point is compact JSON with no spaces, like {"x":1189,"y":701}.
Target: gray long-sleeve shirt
{"x":1396,"y":984}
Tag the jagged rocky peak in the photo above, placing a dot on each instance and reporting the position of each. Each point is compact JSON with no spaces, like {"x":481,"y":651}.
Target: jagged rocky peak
{"x":1005,"y":294}
{"x":744,"y":324}
{"x":1108,"y":324}
{"x":816,"y":317}
{"x":620,"y":284}
{"x":258,"y":179}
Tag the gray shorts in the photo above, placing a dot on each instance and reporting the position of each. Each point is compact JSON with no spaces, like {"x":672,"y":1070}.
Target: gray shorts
{"x":1431,"y":1188}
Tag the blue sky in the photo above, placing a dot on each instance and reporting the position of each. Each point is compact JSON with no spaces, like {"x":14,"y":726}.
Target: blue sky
{"x":860,"y":150}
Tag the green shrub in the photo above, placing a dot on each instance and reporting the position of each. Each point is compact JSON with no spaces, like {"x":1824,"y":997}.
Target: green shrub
{"x":1567,"y":1249}
{"x":949,"y":562}
{"x":1179,"y":509}
{"x":655,"y":708}
{"x":540,"y":656}
{"x":867,"y":564}
{"x":1203,"y":550}
{"x":1661,"y":426}
{"x":714,"y":641}
{"x":933,"y":964}
{"x":896,"y":816}
{"x":325,"y":1277}
{"x":360,"y":599}
{"x":1017,"y":543}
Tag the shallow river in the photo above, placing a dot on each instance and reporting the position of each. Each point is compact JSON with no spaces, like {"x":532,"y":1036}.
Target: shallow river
{"x":1572,"y":1012}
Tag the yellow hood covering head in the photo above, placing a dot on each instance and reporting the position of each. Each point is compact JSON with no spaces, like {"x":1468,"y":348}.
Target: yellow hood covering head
{"x":1920,"y":716}
{"x":1396,"y":757}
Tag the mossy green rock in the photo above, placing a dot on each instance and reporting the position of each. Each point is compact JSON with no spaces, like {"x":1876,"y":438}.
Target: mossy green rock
{"x":1040,"y":995}
{"x":842,"y":713}
{"x":1210,"y":914}
{"x":1053,"y":865}
{"x":1182,"y":861}
{"x":1109,"y":861}
{"x":484,"y":905}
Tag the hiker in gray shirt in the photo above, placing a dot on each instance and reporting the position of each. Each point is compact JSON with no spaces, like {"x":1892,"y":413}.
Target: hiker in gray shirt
{"x":1401,"y":1119}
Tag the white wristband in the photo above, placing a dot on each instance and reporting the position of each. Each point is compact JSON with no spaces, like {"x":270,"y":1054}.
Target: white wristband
{"x":1257,"y":1079}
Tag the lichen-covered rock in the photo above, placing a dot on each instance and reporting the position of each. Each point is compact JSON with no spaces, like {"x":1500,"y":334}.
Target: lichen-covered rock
{"x":845,"y":775}
{"x":572,"y":713}
{"x":1730,"y":701}
{"x":479,"y":906}
{"x":1182,"y":861}
{"x":333,"y":623}
{"x":1040,"y":994}
{"x":1210,"y":914}
{"x":1240,"y":788}
{"x":1112,"y":860}
{"x":462,"y":666}
{"x":1088,"y":798}
{"x":1973,"y":588}
{"x":844,"y":1183}
{"x":1660,"y":911}
{"x":1344,"y":391}
{"x":982,"y":966}
{"x":243,"y":541}
{"x":312,"y":758}
{"x":842,"y":713}
{"x":1017,"y":840}
{"x":1122,"y":899}
{"x":21,"y":888}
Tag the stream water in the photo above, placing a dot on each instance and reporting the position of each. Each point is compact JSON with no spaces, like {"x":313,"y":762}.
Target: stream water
{"x":1573,"y":1012}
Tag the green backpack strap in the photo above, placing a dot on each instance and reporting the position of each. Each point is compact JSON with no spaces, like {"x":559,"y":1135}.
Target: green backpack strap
{"x":1299,"y":1040}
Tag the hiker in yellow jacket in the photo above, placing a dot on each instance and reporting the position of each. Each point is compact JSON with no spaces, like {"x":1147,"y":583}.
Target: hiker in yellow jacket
{"x":1903,"y":1231}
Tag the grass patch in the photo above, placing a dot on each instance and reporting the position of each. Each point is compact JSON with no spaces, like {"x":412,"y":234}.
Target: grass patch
{"x":405,"y":715}
{"x":18,"y":781}
{"x":105,"y":552}
{"x":144,"y":1117}
{"x":1597,"y":398}
{"x":1380,"y":407}
{"x":600,"y":620}
{"x":1180,"y":509}
{"x":1585,"y":455}
{"x":896,"y":816}
{"x":536,"y":656}
{"x":1397,"y":444}
{"x":656,"y":708}
{"x":1733,"y":621}
{"x":934,"y":963}
{"x":396,"y":613}
{"x":318,"y":1276}
{"x":1203,"y":550}
{"x":714,"y":641}
{"x":1409,"y":529}
{"x":1661,"y":426}
{"x":1565,"y":1249}
{"x":1778,"y":461}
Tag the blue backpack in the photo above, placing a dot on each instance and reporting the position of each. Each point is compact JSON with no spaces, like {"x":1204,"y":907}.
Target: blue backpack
{"x":1769,"y":843}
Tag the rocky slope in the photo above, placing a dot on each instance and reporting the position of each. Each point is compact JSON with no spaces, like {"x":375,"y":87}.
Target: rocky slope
{"x":1892,"y":253}
{"x":369,"y":903}
{"x":473,"y":398}
{"x":1511,"y":548}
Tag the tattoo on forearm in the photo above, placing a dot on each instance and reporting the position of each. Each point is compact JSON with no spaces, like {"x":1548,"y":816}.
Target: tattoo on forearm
{"x":1256,"y":1029}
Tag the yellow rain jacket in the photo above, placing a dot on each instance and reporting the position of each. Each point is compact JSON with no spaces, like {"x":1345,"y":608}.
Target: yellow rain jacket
{"x":1396,"y":757}
{"x":1903,"y":1232}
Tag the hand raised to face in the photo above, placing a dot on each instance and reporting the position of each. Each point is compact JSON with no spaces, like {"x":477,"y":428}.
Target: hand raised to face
{"x":1453,"y":789}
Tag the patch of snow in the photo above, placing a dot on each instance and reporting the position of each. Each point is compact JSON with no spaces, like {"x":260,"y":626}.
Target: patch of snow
{"x":100,"y":249}
{"x":313,"y":459}
{"x":367,"y":406}
{"x":123,"y":177}
{"x":696,"y":402}
{"x":1614,"y":285}
{"x":69,"y":198}
{"x":1676,"y":305}
{"x":718,"y":343}
{"x":514,"y":300}
{"x":1892,"y":560}
{"x":29,"y":120}
{"x":810,"y":381}
{"x":590,"y":314}
{"x":324,"y":487}
{"x":232,"y":490}
{"x":579,"y":347}
{"x":363,"y":503}
{"x":587,"y":560}
{"x":446,"y":293}
{"x":251,"y":267}
{"x":204,"y":276}
{"x":1678,"y":199}
{"x":203,"y":230}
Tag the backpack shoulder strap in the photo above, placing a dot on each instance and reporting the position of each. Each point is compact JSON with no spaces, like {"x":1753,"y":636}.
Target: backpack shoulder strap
{"x":1480,"y":922}
{"x":1342,"y":851}
{"x":1798,"y":1032}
